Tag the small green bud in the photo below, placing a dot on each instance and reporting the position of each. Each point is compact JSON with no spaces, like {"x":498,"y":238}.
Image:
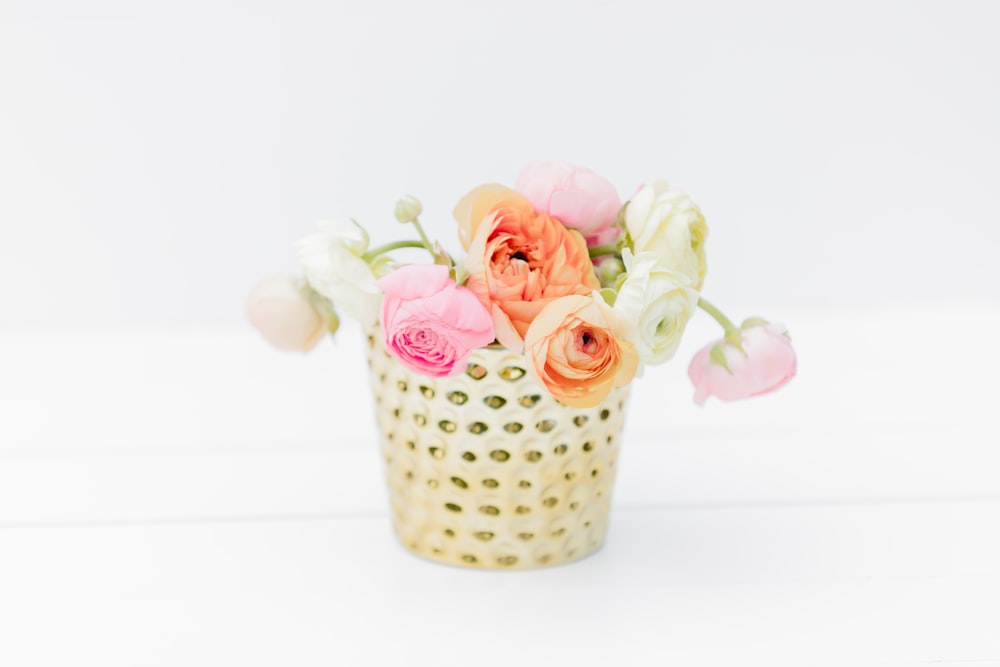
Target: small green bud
{"x":408,"y":209}
{"x":609,"y":270}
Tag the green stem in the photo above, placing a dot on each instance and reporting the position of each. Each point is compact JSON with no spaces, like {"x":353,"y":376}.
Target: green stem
{"x":601,"y":250}
{"x":423,"y":236}
{"x":727,"y":325}
{"x":388,"y":247}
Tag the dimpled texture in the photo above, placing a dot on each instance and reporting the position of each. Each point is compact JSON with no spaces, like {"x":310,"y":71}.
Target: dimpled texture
{"x":487,"y":470}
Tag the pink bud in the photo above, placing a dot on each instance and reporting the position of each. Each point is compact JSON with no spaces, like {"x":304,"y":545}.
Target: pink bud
{"x":284,"y":316}
{"x":769,"y":363}
{"x":575,"y":196}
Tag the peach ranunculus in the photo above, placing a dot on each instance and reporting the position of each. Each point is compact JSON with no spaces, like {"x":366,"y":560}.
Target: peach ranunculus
{"x":480,"y":202}
{"x":519,"y":261}
{"x":574,"y":350}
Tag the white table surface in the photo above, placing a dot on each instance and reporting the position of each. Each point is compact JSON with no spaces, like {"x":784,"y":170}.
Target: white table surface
{"x":192,"y":497}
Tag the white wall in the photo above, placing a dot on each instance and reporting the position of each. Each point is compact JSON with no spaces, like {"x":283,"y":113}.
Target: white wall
{"x":156,"y":159}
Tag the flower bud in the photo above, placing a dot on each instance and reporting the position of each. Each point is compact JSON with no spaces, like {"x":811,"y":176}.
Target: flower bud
{"x":763,"y":362}
{"x":285,"y":316}
{"x":408,"y":209}
{"x":609,"y":269}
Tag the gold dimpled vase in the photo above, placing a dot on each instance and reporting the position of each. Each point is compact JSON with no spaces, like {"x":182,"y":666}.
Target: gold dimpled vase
{"x":486,"y":469}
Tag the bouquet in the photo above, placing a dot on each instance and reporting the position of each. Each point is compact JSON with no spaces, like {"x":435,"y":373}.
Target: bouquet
{"x":588,"y":289}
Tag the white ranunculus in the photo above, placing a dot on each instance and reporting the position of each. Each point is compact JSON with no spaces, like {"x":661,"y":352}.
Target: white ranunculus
{"x":658,"y":301}
{"x":331,"y":261}
{"x":666,"y":222}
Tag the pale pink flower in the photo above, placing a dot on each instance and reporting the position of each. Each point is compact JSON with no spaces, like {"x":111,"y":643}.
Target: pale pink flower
{"x":429,"y":323}
{"x":280,"y":311}
{"x":766,"y":363}
{"x":575,"y":196}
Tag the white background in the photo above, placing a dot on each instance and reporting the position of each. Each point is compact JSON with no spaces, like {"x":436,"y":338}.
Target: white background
{"x":173,"y":492}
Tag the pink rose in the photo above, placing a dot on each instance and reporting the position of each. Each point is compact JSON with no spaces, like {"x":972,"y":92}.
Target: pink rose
{"x":575,"y":196}
{"x":769,"y":363}
{"x":429,"y":323}
{"x":280,"y":311}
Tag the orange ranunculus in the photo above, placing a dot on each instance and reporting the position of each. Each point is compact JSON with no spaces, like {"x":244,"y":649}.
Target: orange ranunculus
{"x":573,"y":351}
{"x":519,"y":261}
{"x":476,"y":206}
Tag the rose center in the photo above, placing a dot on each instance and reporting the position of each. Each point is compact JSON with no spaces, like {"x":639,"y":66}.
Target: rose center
{"x":587,"y":341}
{"x":519,"y":255}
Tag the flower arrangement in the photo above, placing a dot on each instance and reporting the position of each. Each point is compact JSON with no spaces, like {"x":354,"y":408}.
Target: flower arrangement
{"x":588,"y":289}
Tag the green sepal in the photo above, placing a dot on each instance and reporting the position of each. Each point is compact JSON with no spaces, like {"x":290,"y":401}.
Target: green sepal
{"x":609,"y":295}
{"x":624,"y":239}
{"x":753,"y":322}
{"x":440,"y":256}
{"x":332,"y":321}
{"x":382,"y":265}
{"x":459,"y":274}
{"x":733,"y":337}
{"x":718,"y":356}
{"x":364,"y":232}
{"x":322,"y":305}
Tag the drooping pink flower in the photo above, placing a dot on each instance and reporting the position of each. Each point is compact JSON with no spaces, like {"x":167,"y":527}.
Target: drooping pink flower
{"x":429,"y":323}
{"x":769,"y":363}
{"x":283,"y":315}
{"x":575,"y":196}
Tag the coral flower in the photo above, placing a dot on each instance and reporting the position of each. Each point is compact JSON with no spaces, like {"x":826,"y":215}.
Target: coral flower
{"x":475,"y":207}
{"x":575,"y":351}
{"x":520,"y":261}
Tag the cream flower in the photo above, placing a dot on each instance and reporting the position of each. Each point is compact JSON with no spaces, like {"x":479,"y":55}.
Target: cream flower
{"x":658,"y":301}
{"x":331,"y":261}
{"x":287,"y":317}
{"x":666,"y":222}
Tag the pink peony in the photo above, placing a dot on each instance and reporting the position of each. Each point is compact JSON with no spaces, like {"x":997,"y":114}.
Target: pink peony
{"x":429,"y":323}
{"x":575,"y":196}
{"x":769,"y":363}
{"x":280,"y":311}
